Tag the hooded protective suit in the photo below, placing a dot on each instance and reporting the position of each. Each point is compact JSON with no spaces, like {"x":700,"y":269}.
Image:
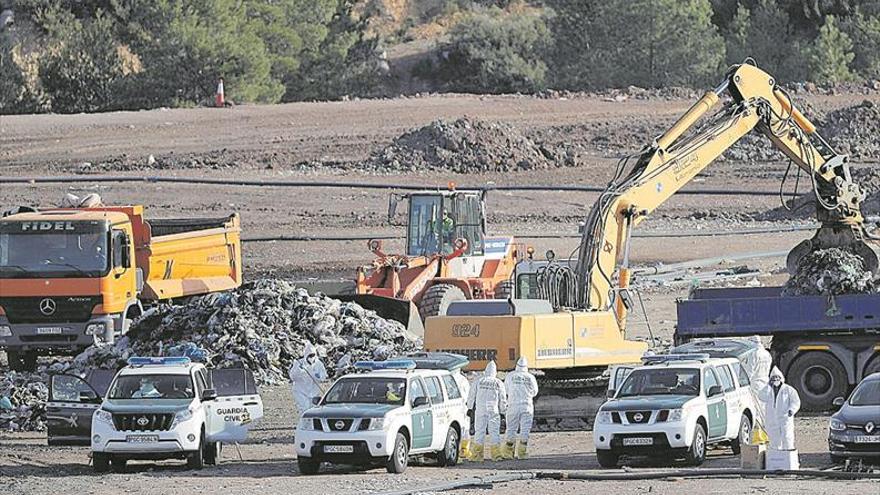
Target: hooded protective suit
{"x":521,"y":390}
{"x":781,"y":403}
{"x":307,"y":373}
{"x":760,"y":375}
{"x":489,"y":399}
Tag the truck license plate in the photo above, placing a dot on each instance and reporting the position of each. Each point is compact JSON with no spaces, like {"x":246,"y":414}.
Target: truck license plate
{"x":338,"y":449}
{"x":868,"y":439}
{"x":48,"y":330}
{"x":142,"y":438}
{"x":638,"y":441}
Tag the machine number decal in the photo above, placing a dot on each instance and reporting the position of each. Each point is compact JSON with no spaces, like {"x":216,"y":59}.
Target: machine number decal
{"x":465,"y":330}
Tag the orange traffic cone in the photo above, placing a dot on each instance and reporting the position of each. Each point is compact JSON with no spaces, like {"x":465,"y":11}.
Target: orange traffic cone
{"x":220,"y":98}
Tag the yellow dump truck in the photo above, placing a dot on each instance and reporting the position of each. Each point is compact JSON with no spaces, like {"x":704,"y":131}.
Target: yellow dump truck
{"x":72,"y":277}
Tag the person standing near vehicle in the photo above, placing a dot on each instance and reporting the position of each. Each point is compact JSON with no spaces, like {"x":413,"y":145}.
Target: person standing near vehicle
{"x":306,"y":375}
{"x":521,"y":390}
{"x":781,"y":403}
{"x":488,"y":398}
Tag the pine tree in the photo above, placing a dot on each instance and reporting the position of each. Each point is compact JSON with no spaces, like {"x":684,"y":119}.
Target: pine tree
{"x":863,"y":28}
{"x":765,"y":33}
{"x":831,"y":54}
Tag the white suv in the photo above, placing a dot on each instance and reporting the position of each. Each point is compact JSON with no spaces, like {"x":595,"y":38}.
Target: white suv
{"x":385,"y":415}
{"x":676,"y":404}
{"x":160,"y":408}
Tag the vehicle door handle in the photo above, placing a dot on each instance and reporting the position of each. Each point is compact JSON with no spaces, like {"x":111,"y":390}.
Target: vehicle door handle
{"x":249,"y":404}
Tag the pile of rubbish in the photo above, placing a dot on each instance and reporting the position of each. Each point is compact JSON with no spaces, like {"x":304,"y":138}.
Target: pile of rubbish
{"x":466,"y":146}
{"x":854,"y":130}
{"x":263,"y":326}
{"x":830,"y":272}
{"x":23,"y":398}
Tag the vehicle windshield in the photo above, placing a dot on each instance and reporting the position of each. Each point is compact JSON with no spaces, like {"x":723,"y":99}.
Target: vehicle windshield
{"x":152,"y":387}
{"x":661,"y":381}
{"x":54,"y":254}
{"x":367,"y":391}
{"x":866,"y":394}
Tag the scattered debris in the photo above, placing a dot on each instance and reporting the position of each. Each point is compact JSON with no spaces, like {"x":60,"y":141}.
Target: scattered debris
{"x":830,"y":272}
{"x":23,"y":398}
{"x":804,"y":205}
{"x":855,"y":130}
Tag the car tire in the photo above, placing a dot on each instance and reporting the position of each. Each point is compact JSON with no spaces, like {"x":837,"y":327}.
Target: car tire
{"x":504,"y":290}
{"x":399,"y":456}
{"x":607,"y":458}
{"x":307,"y":466}
{"x":449,"y":455}
{"x":118,"y":464}
{"x":818,"y":378}
{"x":196,"y":459}
{"x":212,"y":449}
{"x":745,"y":431}
{"x":696,"y":453}
{"x":101,"y":462}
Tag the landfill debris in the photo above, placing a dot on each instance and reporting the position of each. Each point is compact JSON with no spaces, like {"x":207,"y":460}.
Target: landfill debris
{"x":830,"y":272}
{"x":854,"y":130}
{"x":467,"y":146}
{"x":23,"y":398}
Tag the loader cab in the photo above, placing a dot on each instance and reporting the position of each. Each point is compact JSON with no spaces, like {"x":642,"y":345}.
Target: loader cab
{"x":437,"y":219}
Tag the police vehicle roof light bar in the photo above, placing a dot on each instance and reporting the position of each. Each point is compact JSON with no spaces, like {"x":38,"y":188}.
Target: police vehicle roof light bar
{"x":161,"y":361}
{"x":663,"y":358}
{"x":391,"y":364}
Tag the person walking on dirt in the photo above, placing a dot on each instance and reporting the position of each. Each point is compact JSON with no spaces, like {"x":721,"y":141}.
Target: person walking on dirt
{"x":521,"y":390}
{"x":489,"y":399}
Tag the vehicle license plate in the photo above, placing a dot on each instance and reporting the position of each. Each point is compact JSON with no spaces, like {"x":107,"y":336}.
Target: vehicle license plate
{"x":142,"y":438}
{"x":868,"y":439}
{"x":638,"y":441}
{"x":338,"y":449}
{"x":48,"y":330}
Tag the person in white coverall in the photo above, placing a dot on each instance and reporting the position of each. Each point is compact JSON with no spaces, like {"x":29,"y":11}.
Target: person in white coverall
{"x":464,"y":389}
{"x":307,"y":373}
{"x":489,"y":399}
{"x":521,"y":390}
{"x":781,"y":403}
{"x":759,"y":377}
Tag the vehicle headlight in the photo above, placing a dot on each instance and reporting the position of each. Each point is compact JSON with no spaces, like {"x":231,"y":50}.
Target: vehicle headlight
{"x":104,"y":416}
{"x":5,"y":331}
{"x":604,"y":417}
{"x":836,"y":425}
{"x":95,"y":329}
{"x":675,"y":415}
{"x":306,"y":424}
{"x":181,"y":417}
{"x":377,"y":424}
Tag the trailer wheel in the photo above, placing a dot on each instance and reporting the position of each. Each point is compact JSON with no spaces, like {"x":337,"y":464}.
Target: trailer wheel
{"x":438,"y":298}
{"x":818,"y":378}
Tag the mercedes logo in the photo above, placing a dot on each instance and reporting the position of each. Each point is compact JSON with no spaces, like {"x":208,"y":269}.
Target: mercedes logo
{"x":638,"y":417}
{"x":339,"y":424}
{"x":48,"y":307}
{"x":869,"y":427}
{"x":142,"y":421}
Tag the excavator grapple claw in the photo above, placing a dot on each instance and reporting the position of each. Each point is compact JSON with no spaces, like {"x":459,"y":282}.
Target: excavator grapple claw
{"x":854,"y":239}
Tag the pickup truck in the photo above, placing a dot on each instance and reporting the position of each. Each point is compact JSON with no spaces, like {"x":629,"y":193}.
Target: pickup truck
{"x":823,"y":344}
{"x":72,"y":277}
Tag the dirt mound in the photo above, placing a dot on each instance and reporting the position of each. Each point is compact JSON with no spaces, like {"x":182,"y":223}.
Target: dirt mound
{"x":467,"y":146}
{"x":830,"y":272}
{"x":855,"y":130}
{"x":804,"y":206}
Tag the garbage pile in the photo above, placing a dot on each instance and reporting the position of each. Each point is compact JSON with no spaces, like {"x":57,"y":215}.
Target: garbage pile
{"x":262,"y":326}
{"x":854,"y":130}
{"x":23,"y":398}
{"x":830,"y":272}
{"x":467,"y":146}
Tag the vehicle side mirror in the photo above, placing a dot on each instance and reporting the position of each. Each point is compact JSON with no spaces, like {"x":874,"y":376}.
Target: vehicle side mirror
{"x":838,"y":402}
{"x":88,"y":396}
{"x":610,"y":393}
{"x":126,"y":251}
{"x":209,"y":394}
{"x":316,"y":401}
{"x":419,"y":402}
{"x":714,"y":390}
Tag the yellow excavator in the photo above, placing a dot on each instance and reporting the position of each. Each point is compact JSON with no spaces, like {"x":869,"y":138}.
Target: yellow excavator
{"x":578,"y":329}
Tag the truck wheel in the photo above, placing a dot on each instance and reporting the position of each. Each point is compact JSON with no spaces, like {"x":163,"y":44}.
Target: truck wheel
{"x":607,"y":458}
{"x":449,"y":455}
{"x":307,"y":466}
{"x":745,"y":431}
{"x":21,"y":360}
{"x":504,"y":290}
{"x":400,"y":456}
{"x":818,"y":378}
{"x":118,"y":464}
{"x":196,"y":459}
{"x":437,"y":299}
{"x":101,"y":462}
{"x":697,"y":452}
{"x":212,"y":450}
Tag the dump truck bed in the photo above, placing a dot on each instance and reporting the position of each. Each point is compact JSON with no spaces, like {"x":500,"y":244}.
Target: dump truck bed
{"x":765,"y":311}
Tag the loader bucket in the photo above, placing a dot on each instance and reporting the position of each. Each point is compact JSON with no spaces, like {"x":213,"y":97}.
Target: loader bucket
{"x":406,"y":312}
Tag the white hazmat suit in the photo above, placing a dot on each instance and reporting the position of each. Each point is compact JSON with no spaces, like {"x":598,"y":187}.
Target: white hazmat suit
{"x":464,"y":388}
{"x":760,"y":375}
{"x":307,"y":373}
{"x":521,"y":390}
{"x":489,"y":399}
{"x":781,"y":403}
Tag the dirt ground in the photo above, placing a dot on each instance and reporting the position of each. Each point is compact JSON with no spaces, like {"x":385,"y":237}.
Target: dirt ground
{"x":268,"y":143}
